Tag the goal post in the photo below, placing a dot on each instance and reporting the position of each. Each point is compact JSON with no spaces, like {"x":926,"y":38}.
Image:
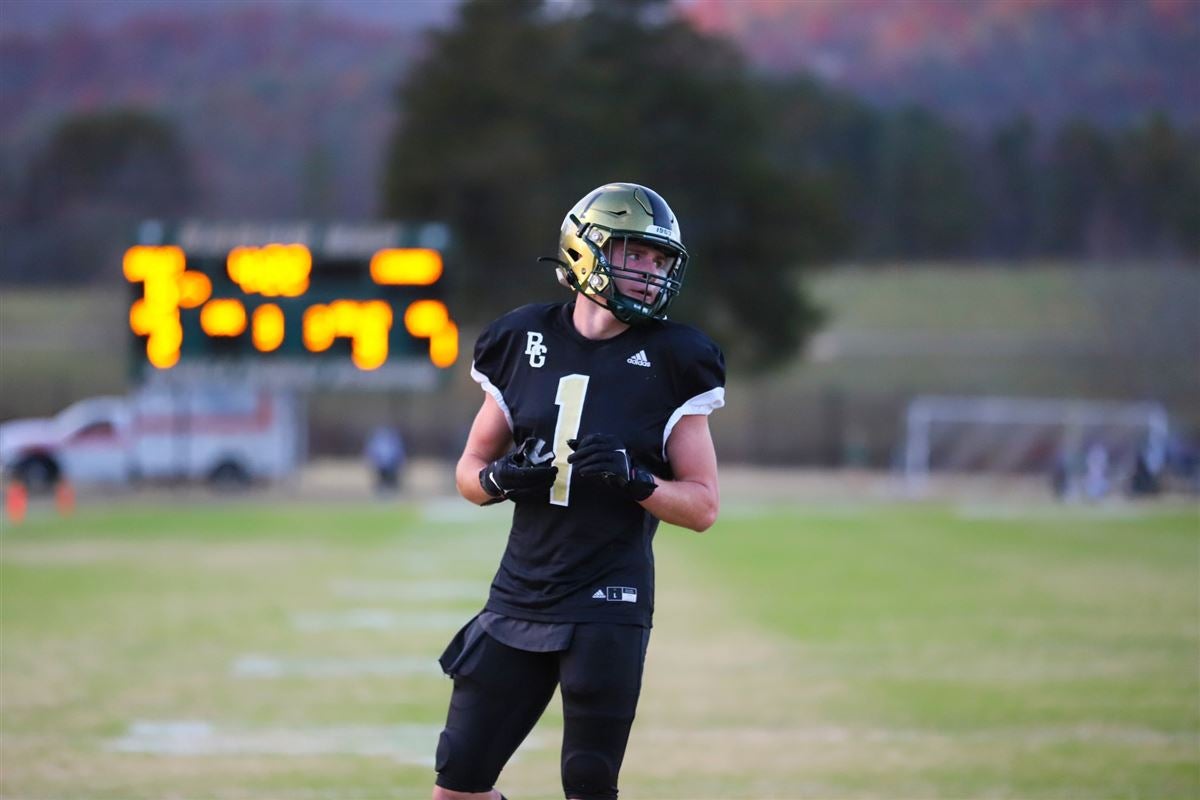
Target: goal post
{"x":1022,"y":435}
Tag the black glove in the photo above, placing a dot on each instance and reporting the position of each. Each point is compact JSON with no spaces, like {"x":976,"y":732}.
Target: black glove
{"x":525,"y":473}
{"x":601,"y":456}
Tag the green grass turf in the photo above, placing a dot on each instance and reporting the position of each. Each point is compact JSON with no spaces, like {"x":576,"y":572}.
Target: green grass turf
{"x":799,"y":652}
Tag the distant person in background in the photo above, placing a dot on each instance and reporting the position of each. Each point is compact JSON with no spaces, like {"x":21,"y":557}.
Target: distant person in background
{"x":1060,"y":475}
{"x":1095,"y":472}
{"x":1146,"y":480}
{"x":385,"y":453}
{"x":594,"y":425}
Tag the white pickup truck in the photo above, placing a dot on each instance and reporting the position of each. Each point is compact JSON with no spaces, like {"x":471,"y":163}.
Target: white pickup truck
{"x":227,"y":436}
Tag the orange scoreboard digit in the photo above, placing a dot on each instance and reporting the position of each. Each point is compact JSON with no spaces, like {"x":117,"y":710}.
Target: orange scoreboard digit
{"x":293,"y":304}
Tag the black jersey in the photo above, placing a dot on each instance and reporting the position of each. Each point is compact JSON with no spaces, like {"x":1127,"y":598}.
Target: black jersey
{"x":583,"y":554}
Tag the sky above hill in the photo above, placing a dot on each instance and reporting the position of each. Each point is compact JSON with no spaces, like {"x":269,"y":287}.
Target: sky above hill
{"x":1111,"y":60}
{"x":34,"y":17}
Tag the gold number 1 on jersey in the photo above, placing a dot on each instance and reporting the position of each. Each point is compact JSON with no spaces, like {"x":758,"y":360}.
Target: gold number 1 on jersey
{"x":571,"y":391}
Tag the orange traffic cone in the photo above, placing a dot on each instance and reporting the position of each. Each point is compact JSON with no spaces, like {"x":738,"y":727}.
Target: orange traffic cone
{"x":64,"y":498}
{"x":16,"y":502}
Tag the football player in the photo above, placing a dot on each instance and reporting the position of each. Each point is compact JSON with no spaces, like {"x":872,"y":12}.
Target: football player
{"x":594,"y":425}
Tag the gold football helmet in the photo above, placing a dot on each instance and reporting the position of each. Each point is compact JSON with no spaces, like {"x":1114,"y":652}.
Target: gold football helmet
{"x":592,"y":251}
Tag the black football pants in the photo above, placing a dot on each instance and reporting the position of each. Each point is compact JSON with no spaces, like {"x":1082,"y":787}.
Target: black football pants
{"x":500,"y":692}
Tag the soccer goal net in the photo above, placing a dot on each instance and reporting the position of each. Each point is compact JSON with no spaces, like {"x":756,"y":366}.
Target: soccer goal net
{"x":1016,"y":435}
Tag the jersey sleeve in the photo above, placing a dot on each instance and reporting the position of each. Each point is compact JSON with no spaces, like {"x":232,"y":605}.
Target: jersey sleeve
{"x":491,"y":367}
{"x":701,"y":385}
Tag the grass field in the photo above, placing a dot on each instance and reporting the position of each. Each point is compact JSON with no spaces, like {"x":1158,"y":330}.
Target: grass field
{"x":274,"y":649}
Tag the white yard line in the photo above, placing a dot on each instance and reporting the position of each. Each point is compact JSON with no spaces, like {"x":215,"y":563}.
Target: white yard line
{"x":477,"y":559}
{"x":264,"y":666}
{"x":742,"y":510}
{"x":456,"y":509}
{"x":831,"y":734}
{"x":1023,"y":512}
{"x":378,"y":619}
{"x":404,"y":743}
{"x":361,"y":589}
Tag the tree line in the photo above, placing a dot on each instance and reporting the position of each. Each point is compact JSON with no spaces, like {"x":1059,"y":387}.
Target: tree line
{"x":521,"y":107}
{"x":914,"y":186}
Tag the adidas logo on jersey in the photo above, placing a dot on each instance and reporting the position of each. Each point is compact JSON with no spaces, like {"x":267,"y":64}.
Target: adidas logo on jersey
{"x":616,"y":594}
{"x":638,"y":359}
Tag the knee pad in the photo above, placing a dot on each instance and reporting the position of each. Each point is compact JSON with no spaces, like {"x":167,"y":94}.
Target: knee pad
{"x":442,"y":758}
{"x":455,"y":771}
{"x":589,"y":775}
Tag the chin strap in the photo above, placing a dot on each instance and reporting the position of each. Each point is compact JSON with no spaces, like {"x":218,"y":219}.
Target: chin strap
{"x":630,"y":316}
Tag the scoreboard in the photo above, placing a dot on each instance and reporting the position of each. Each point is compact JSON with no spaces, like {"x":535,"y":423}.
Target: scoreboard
{"x":299,"y":305}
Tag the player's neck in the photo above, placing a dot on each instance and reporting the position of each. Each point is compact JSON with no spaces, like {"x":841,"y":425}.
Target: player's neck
{"x":594,"y":321}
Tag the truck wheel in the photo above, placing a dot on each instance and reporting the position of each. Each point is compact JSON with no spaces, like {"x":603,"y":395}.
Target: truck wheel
{"x":39,"y":473}
{"x":229,"y":476}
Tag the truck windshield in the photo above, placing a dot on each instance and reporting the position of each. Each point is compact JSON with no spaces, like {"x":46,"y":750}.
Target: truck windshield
{"x":87,"y":412}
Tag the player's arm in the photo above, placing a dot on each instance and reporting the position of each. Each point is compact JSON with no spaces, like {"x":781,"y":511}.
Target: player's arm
{"x":692,"y":500}
{"x":488,"y":440}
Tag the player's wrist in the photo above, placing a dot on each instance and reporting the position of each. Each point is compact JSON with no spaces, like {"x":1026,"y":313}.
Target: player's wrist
{"x":605,"y":458}
{"x":527,"y":473}
{"x":487,"y":481}
{"x":641,"y":483}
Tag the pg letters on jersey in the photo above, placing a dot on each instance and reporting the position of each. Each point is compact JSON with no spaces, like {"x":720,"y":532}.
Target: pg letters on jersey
{"x":554,"y":384}
{"x":535,"y":349}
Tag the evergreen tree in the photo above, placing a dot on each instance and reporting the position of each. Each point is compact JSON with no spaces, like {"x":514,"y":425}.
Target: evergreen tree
{"x":83,"y":195}
{"x":926,"y":200}
{"x":517,"y":112}
{"x":1082,"y":187}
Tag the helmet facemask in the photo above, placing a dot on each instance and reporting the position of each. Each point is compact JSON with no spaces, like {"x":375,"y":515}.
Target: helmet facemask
{"x":647,"y":294}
